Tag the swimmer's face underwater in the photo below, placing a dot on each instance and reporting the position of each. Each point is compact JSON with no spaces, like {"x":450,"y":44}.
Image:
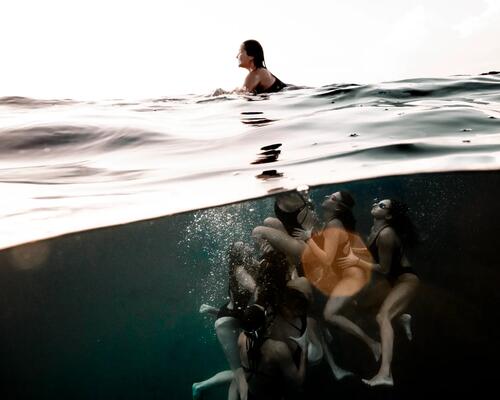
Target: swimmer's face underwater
{"x":381,"y":209}
{"x":331,"y":201}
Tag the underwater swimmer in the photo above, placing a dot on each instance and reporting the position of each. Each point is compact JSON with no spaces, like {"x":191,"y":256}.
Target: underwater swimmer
{"x":242,"y":272}
{"x":259,"y":78}
{"x":392,"y":233}
{"x":270,"y":369}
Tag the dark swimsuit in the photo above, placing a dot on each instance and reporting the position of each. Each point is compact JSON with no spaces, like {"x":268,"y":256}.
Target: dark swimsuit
{"x":289,"y":219}
{"x":276,"y":388}
{"x":273,"y":384}
{"x":396,"y":269}
{"x":275,"y":87}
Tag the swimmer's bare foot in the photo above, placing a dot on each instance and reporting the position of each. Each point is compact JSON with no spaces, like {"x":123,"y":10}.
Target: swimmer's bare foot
{"x":196,"y":391}
{"x":380,"y":380}
{"x":405,"y":320}
{"x":341,"y":373}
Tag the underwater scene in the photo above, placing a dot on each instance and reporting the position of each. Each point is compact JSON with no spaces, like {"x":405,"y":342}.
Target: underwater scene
{"x":115,"y":312}
{"x":325,"y":242}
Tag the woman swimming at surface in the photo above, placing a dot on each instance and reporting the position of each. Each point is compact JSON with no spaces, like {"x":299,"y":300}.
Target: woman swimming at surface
{"x":259,"y":79}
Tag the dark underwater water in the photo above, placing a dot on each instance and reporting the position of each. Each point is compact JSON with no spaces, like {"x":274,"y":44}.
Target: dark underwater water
{"x":112,"y":313}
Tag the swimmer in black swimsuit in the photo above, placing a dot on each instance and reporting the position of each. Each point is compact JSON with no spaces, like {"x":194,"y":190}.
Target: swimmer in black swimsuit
{"x":293,"y":210}
{"x":292,"y":323}
{"x":243,"y":269}
{"x":391,"y":233}
{"x":270,"y":371}
{"x":259,"y":79}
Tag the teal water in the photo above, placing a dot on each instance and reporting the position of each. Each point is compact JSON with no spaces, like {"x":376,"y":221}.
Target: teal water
{"x":112,"y":313}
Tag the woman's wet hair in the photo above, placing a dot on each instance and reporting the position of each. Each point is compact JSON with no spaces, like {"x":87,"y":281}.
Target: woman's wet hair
{"x":344,"y":211}
{"x":272,"y":278}
{"x":254,"y":319}
{"x":255,"y":50}
{"x":402,"y":223}
{"x":254,"y":325}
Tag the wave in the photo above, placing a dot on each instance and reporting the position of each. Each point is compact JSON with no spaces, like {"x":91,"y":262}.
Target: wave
{"x":118,"y":161}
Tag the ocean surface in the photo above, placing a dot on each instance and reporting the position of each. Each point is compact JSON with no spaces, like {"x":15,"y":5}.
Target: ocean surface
{"x":116,"y":217}
{"x":68,"y":166}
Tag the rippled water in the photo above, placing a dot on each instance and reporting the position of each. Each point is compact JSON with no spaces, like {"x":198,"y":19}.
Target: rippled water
{"x":68,"y":165}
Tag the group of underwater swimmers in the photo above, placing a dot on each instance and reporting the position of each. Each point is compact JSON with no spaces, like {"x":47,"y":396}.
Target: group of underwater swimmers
{"x":281,"y":307}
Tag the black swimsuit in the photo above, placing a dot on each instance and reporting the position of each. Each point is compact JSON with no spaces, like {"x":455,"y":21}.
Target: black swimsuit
{"x":289,"y":219}
{"x":275,"y":390}
{"x":272,"y":386}
{"x":396,"y":269}
{"x":275,"y":87}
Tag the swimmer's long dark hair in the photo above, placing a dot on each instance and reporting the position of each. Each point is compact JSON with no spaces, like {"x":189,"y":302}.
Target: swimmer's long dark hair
{"x":271,"y":279}
{"x":254,"y":326}
{"x":255,"y":50}
{"x":402,"y":223}
{"x":344,"y":211}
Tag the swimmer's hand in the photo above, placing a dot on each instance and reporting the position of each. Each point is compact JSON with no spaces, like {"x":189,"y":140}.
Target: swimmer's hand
{"x":302,"y":234}
{"x":362,"y":251}
{"x":219,"y":92}
{"x":265,"y":246}
{"x":307,"y":218}
{"x":207,"y":309}
{"x":348,"y":261}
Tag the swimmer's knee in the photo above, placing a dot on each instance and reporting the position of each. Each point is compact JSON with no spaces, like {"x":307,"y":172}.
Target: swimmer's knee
{"x":382,"y":317}
{"x":225,"y":323}
{"x":258,"y":231}
{"x":328,"y":314}
{"x":271,"y":222}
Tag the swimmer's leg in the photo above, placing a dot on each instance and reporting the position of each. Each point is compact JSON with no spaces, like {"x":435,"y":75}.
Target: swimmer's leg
{"x":228,"y":330}
{"x":280,"y":241}
{"x":217,"y":379}
{"x":350,"y":284}
{"x":395,"y":303}
{"x":337,"y":371}
{"x":315,"y":349}
{"x":272,"y":222}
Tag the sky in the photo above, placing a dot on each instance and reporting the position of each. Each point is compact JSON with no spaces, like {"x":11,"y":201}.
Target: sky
{"x":149,"y":48}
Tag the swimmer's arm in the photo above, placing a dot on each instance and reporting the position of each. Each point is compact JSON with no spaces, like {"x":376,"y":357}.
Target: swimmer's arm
{"x":245,"y":279}
{"x":241,"y":383}
{"x":332,"y":235}
{"x":251,"y":82}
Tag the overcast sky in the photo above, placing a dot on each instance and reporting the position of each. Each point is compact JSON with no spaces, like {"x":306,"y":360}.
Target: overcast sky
{"x":144,"y":48}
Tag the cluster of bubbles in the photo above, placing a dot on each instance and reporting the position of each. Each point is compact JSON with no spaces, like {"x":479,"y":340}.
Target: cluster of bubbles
{"x":208,"y":236}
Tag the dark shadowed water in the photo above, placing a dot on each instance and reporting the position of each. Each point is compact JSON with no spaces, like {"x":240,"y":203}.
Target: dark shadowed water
{"x":113,"y":313}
